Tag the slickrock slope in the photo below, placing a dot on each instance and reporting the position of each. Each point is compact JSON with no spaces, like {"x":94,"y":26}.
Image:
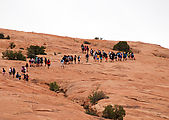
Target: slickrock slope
{"x":141,"y":86}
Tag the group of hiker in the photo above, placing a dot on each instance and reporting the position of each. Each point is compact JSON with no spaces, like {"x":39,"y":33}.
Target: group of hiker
{"x":99,"y":55}
{"x":70,"y":59}
{"x":85,"y":48}
{"x":12,"y":71}
{"x":38,"y":61}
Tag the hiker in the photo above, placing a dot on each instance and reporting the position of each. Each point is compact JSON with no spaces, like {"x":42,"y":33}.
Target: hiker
{"x":87,"y":57}
{"x":48,"y":63}
{"x":101,"y":57}
{"x":23,"y":69}
{"x":18,"y":76}
{"x":87,"y":49}
{"x":91,"y":52}
{"x":3,"y":71}
{"x":26,"y":77}
{"x":62,"y":63}
{"x":106,"y":57}
{"x":97,"y":57}
{"x":82,"y":47}
{"x":132,"y":56}
{"x":26,"y":66}
{"x":41,"y":61}
{"x":10,"y":71}
{"x":45,"y":62}
{"x":79,"y":59}
{"x":13,"y":72}
{"x":124,"y":56}
{"x":75,"y":59}
{"x":30,"y":62}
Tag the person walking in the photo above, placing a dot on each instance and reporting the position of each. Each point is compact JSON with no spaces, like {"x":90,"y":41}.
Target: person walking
{"x":10,"y":71}
{"x":26,"y":66}
{"x":79,"y":59}
{"x":13,"y":72}
{"x":87,"y":57}
{"x":27,"y":77}
{"x":62,"y":63}
{"x":45,"y":62}
{"x":3,"y":71}
{"x":48,"y":63}
{"x":75,"y":59}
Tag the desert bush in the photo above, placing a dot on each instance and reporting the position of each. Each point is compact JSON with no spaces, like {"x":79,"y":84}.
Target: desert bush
{"x":54,"y":86}
{"x":96,"y":38}
{"x":10,"y":55}
{"x":12,"y":45}
{"x":32,"y":51}
{"x":91,"y":111}
{"x":115,"y":113}
{"x":96,"y":96}
{"x":8,"y":37}
{"x":86,"y":42}
{"x":1,"y":36}
{"x":21,"y":48}
{"x":122,"y":46}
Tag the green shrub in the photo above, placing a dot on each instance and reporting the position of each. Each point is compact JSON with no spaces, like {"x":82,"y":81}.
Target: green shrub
{"x":21,"y":48}
{"x":54,"y":87}
{"x":86,"y":42}
{"x":96,"y":38}
{"x":12,"y":45}
{"x":32,"y":51}
{"x":122,"y":46}
{"x":96,"y":96}
{"x":91,"y":111}
{"x":10,"y":55}
{"x":8,"y":37}
{"x":1,"y":36}
{"x":115,"y":113}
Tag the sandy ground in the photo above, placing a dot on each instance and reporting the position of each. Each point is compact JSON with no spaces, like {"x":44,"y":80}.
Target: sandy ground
{"x":141,"y":86}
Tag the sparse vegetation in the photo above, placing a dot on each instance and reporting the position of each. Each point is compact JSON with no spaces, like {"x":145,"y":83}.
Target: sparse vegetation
{"x":21,"y":48}
{"x":35,"y":50}
{"x":86,"y":42}
{"x":90,"y":111}
{"x":59,"y":53}
{"x":10,"y":55}
{"x":122,"y":46}
{"x":8,"y":37}
{"x":114,"y":113}
{"x":97,"y":38}
{"x":12,"y":45}
{"x":54,"y":86}
{"x":3,"y":37}
{"x":96,"y":96}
